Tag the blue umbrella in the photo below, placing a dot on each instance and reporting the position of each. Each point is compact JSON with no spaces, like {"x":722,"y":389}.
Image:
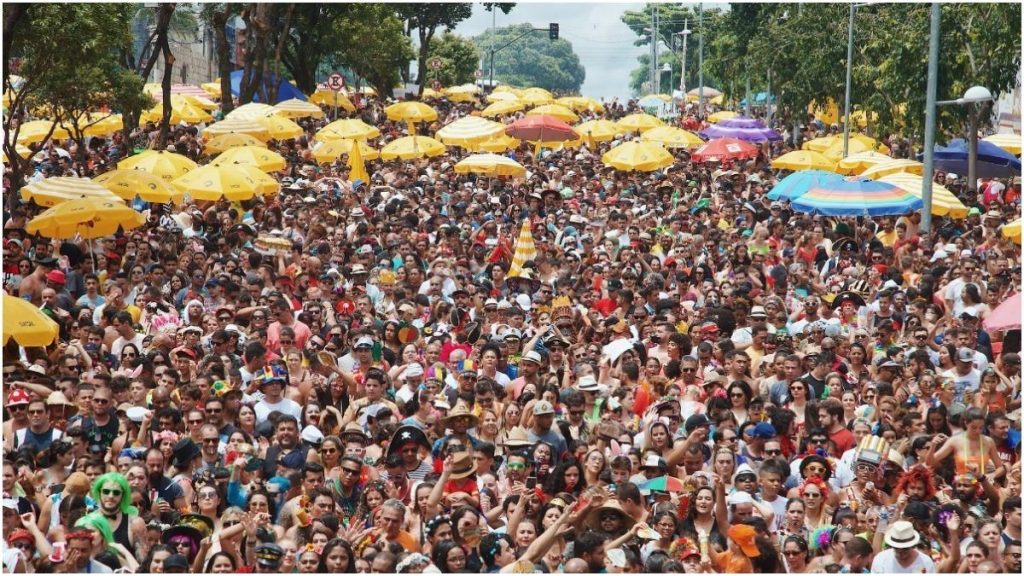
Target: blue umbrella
{"x":285,"y":89}
{"x":857,"y":198}
{"x":992,"y":162}
{"x":798,"y":183}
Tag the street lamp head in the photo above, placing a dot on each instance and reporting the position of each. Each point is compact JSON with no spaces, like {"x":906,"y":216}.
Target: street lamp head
{"x":976,"y":94}
{"x":666,"y":68}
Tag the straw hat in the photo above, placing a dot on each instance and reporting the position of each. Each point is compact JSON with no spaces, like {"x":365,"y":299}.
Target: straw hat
{"x":461,"y":411}
{"x":517,"y":438}
{"x":462,"y":465}
{"x":593,"y":519}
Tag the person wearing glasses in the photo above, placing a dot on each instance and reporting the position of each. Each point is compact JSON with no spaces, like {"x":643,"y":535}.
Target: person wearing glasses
{"x":114,"y":496}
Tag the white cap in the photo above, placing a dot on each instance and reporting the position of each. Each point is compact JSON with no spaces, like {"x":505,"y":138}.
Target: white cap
{"x":966,"y":253}
{"x":523,"y":301}
{"x":312,"y":434}
{"x":364,"y":341}
{"x":413,"y":370}
{"x":531,"y":356}
{"x":490,"y":302}
{"x":939,"y":255}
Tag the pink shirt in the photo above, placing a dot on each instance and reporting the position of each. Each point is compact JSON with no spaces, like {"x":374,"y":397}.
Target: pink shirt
{"x":302,"y":334}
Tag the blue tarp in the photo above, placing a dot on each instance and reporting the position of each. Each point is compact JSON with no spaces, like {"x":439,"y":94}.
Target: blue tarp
{"x":285,"y":89}
{"x":992,"y":162}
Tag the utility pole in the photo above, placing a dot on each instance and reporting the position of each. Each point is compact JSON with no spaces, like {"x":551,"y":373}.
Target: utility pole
{"x":929,"y":120}
{"x":654,"y":47}
{"x":700,"y":61}
{"x":682,"y":67}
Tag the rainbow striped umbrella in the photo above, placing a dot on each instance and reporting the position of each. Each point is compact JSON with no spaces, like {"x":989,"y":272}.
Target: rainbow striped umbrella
{"x":857,"y":198}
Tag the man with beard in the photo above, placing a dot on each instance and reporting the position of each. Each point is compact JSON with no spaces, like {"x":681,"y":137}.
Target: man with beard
{"x":114,"y":495}
{"x":165,"y":494}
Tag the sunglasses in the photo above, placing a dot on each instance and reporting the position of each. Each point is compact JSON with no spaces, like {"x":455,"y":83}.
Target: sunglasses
{"x":110,"y":492}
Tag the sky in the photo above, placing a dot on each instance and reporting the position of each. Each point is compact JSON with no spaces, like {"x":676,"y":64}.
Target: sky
{"x":603,"y":43}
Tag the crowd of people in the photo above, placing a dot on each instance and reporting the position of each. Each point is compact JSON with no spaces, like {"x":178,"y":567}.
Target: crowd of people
{"x":343,"y":377}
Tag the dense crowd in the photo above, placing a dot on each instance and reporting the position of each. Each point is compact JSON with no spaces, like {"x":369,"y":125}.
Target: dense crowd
{"x":688,"y":376}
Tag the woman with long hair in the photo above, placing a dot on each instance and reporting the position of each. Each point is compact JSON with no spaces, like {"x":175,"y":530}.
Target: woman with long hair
{"x":337,"y":558}
{"x":566,"y":477}
{"x":220,"y":563}
{"x":594,"y":463}
{"x":707,"y":513}
{"x":814,"y":493}
{"x":739,"y":400}
{"x":658,"y":438}
{"x":857,"y":363}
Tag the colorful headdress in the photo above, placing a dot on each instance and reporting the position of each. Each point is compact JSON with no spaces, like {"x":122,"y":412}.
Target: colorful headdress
{"x":561,"y":308}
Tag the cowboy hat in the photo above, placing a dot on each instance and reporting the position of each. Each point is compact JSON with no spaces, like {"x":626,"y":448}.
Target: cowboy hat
{"x":517,"y":438}
{"x":593,"y":519}
{"x":461,"y":411}
{"x":462,"y":465}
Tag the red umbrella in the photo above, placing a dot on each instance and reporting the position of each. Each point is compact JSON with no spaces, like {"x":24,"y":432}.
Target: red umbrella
{"x":725,"y":149}
{"x":541,"y":128}
{"x":1006,"y":316}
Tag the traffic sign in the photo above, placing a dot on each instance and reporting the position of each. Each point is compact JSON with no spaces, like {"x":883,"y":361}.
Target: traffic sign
{"x":335,"y":81}
{"x":478,"y":73}
{"x":436,"y":84}
{"x":435,"y":63}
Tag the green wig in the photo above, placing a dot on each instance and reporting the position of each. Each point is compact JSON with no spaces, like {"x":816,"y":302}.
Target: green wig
{"x":126,"y":491}
{"x":98,"y":522}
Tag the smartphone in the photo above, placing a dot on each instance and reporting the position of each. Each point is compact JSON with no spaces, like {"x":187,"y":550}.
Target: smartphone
{"x":531,"y":482}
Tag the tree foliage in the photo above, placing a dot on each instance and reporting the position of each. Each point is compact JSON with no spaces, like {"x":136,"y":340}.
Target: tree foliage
{"x":375,"y":46}
{"x":427,"y":18}
{"x":459,"y":59}
{"x":532,"y":60}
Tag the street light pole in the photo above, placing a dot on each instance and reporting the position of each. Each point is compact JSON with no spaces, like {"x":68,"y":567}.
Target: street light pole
{"x":700,"y":61}
{"x":656,"y":87}
{"x":849,"y":72}
{"x":682,"y":68}
{"x":929,"y":120}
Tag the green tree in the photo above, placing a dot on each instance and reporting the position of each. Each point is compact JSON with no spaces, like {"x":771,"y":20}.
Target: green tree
{"x":317,"y":38}
{"x":426,"y":18}
{"x":459,"y":59}
{"x":375,"y":46}
{"x":71,"y":59}
{"x":533,"y":60}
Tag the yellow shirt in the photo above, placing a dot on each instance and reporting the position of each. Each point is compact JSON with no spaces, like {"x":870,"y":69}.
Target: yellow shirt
{"x":887,"y":238}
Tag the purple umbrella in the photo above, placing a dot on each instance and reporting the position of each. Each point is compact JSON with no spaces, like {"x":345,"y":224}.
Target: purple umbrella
{"x":748,"y":134}
{"x":742,"y":122}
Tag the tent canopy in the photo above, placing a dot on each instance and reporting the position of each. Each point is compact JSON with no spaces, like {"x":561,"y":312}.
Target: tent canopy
{"x":285,"y":90}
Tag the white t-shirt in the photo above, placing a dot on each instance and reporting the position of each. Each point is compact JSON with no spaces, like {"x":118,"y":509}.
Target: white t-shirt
{"x":885,"y":563}
{"x":120,"y":343}
{"x":970,"y":381}
{"x":285,"y":406}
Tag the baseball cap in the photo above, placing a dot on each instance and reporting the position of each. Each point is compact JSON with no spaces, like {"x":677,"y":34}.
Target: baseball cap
{"x":414,"y":370}
{"x":543,"y":407}
{"x":965,"y":355}
{"x":764,"y":430}
{"x":696,"y":421}
{"x":364,"y":342}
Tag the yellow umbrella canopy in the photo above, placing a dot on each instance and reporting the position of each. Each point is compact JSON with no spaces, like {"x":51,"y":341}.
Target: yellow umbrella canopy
{"x":501,"y":143}
{"x":804,"y":160}
{"x":501,"y":97}
{"x":639,"y":123}
{"x":60,"y":189}
{"x":23,"y":151}
{"x":234,"y":182}
{"x":280,"y":128}
{"x":598,"y":130}
{"x":85,"y":217}
{"x":237,"y":126}
{"x":347,"y":128}
{"x":212,"y":88}
{"x":127,"y":184}
{"x":411,"y":112}
{"x":325,"y":97}
{"x":227,"y":141}
{"x":166,"y":165}
{"x":536,"y":97}
{"x":1012,"y":230}
{"x":252,"y":111}
{"x":637,"y":156}
{"x":181,"y":111}
{"x":557,"y":110}
{"x":893,"y":167}
{"x":944,"y":203}
{"x":469,"y":130}
{"x":409,"y":147}
{"x":431,"y":94}
{"x":27,"y":324}
{"x":96,"y":124}
{"x":857,"y":145}
{"x":507,"y":89}
{"x":501,"y":108}
{"x":295,"y":108}
{"x":492,"y":165}
{"x":463,"y":93}
{"x":36,"y":131}
{"x":581,"y":104}
{"x":856,"y":163}
{"x":559,"y":144}
{"x":260,"y":157}
{"x":672,"y":137}
{"x":1008,"y":142}
{"x":722,"y":115}
{"x":825,"y":142}
{"x":331,"y":150}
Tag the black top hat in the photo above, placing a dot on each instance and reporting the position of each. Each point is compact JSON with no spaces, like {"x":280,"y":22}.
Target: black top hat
{"x":185,"y":451}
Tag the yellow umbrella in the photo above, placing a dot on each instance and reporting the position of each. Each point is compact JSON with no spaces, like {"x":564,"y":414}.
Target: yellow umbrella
{"x":672,"y":137}
{"x":96,"y":124}
{"x":23,"y":151}
{"x":507,"y":89}
{"x":260,"y":157}
{"x":640,"y":156}
{"x":60,"y":189}
{"x":234,"y":182}
{"x":501,"y":108}
{"x":357,"y":168}
{"x":558,"y":144}
{"x":639,"y":123}
{"x":1008,"y":142}
{"x":663,"y":97}
{"x":857,"y":163}
{"x":197,"y":101}
{"x":502,"y":143}
{"x":492,"y":165}
{"x":410,"y":147}
{"x":87,"y":218}
{"x":127,"y":184}
{"x":804,"y":160}
{"x":835,"y":151}
{"x":598,"y":130}
{"x":181,"y":111}
{"x":237,"y":126}
{"x":581,"y":104}
{"x":557,"y":110}
{"x":944,"y":203}
{"x":333,"y":149}
{"x":1012,"y":231}
{"x":431,"y":94}
{"x":226,"y":141}
{"x":411,"y":112}
{"x":347,"y":128}
{"x":166,"y":165}
{"x":251,"y":111}
{"x":295,"y":108}
{"x":27,"y":324}
{"x":893,"y":167}
{"x":717,"y":100}
{"x":469,"y":130}
{"x":212,"y":88}
{"x":722,"y":115}
{"x":536,"y":97}
{"x":824,"y":143}
{"x":36,"y":131}
{"x":326,"y":97}
{"x":501,"y":97}
{"x":280,"y":128}
{"x":463,"y":93}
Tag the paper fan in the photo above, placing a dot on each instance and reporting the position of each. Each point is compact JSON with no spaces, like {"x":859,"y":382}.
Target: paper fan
{"x":407,"y":334}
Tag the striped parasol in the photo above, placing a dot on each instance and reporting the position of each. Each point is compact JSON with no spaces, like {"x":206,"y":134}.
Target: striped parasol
{"x":857,"y":198}
{"x":60,"y":189}
{"x":470,"y":131}
{"x":525,"y":250}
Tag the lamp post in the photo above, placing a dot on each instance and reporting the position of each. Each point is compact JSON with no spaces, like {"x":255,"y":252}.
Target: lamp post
{"x":666,"y":67}
{"x":700,"y":61}
{"x":682,"y":68}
